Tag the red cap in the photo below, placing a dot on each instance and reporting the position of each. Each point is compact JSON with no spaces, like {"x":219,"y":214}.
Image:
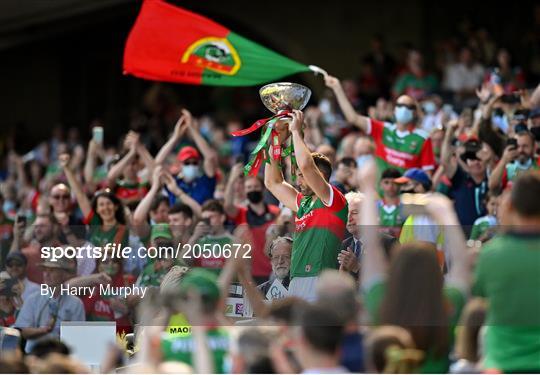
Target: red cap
{"x":187,"y":153}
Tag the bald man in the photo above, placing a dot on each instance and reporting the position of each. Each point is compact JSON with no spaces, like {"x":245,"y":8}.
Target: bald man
{"x":401,"y":144}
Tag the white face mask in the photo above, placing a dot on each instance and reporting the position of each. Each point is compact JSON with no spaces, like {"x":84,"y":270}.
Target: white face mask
{"x":362,"y":160}
{"x":190,"y":172}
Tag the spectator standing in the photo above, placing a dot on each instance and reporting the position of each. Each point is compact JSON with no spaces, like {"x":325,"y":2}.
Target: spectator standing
{"x":507,"y":270}
{"x":400,"y":145}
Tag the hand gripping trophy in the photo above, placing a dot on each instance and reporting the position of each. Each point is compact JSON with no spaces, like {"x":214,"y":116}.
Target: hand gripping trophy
{"x":280,"y":98}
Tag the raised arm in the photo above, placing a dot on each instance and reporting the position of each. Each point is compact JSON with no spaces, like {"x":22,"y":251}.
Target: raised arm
{"x":274,"y":182}
{"x":495,"y":179}
{"x":441,"y":209}
{"x":179,"y":131}
{"x":142,"y":228}
{"x":209,"y":154}
{"x":374,"y":264}
{"x":181,"y":194}
{"x":449,"y":165}
{"x":228,"y":204}
{"x":310,"y":172}
{"x":362,"y":122}
{"x":146,"y":157}
{"x":117,"y":169}
{"x":90,"y":163}
{"x":82,"y":199}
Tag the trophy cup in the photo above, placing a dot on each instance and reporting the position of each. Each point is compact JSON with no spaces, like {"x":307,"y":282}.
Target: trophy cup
{"x":280,"y":98}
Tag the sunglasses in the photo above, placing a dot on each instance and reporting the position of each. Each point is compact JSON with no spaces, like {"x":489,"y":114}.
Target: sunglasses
{"x":411,"y":107}
{"x":193,"y":162}
{"x":58,"y":197}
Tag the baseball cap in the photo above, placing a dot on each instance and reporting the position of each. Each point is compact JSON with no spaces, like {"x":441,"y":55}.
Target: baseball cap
{"x":187,"y":153}
{"x":161,"y":230}
{"x":415,"y":174}
{"x":16,"y":256}
{"x":202,"y":281}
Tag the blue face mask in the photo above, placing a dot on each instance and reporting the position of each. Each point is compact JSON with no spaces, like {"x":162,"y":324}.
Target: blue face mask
{"x":403,"y":115}
{"x":501,"y":122}
{"x":430,"y":107}
{"x":362,"y":160}
{"x":190,"y":172}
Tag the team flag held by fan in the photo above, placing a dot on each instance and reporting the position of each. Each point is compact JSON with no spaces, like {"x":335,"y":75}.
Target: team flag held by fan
{"x":168,"y":43}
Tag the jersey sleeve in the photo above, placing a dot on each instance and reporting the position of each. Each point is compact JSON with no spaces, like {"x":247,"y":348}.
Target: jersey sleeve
{"x":504,"y":179}
{"x":427,"y":159}
{"x":375,"y":129}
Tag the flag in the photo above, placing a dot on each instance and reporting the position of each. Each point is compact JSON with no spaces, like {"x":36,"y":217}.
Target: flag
{"x":168,"y":43}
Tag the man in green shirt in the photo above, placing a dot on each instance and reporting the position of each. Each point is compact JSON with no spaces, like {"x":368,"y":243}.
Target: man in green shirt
{"x":508,"y":275}
{"x":203,"y":315}
{"x":321,"y":213}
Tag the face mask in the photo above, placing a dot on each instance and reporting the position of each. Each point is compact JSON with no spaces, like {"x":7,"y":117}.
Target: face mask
{"x":362,"y":160}
{"x":430,"y":107}
{"x":255,"y":196}
{"x":524,"y":166}
{"x":403,"y":115}
{"x":407,"y":191}
{"x":501,"y":122}
{"x":8,"y":206}
{"x":536,"y":133}
{"x":190,"y":172}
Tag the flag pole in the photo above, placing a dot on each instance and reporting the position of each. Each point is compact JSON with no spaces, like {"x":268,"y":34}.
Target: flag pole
{"x":315,"y":69}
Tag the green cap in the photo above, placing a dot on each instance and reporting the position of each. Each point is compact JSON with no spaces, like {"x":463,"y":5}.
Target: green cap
{"x":161,"y":231}
{"x":203,"y":281}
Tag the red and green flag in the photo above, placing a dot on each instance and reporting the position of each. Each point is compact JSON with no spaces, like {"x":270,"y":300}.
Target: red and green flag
{"x":168,"y":43}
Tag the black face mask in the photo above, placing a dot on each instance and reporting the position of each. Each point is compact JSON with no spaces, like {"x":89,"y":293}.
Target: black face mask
{"x":408,"y":191}
{"x":255,"y":196}
{"x":536,"y":133}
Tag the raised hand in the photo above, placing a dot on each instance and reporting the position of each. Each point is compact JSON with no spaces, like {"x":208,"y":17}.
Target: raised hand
{"x":332,"y":82}
{"x":63,"y":160}
{"x":297,"y":120}
{"x":236,"y":171}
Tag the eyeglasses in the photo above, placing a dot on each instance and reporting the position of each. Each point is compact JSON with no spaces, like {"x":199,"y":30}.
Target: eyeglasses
{"x":58,"y":197}
{"x":193,"y":162}
{"x":411,"y":107}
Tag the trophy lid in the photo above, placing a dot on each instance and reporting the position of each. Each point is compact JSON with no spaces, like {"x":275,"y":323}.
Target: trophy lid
{"x":281,"y":96}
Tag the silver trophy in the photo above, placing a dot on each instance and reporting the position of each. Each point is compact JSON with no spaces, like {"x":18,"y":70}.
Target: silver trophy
{"x":282,"y":96}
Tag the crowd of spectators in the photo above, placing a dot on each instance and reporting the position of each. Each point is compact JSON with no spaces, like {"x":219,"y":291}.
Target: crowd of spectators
{"x":409,"y":240}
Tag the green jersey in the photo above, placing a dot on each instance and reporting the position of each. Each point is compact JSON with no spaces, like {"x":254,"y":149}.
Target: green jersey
{"x":318,"y":235}
{"x":180,"y":348}
{"x":390,"y":215}
{"x":401,"y":149}
{"x":507,"y":274}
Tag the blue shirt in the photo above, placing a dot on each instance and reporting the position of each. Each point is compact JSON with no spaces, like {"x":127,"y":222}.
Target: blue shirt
{"x":201,"y":189}
{"x":468,"y":198}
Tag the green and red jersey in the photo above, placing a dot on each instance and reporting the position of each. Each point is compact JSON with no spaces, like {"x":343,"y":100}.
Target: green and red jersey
{"x":319,"y":232}
{"x":401,"y":149}
{"x":129,"y":192}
